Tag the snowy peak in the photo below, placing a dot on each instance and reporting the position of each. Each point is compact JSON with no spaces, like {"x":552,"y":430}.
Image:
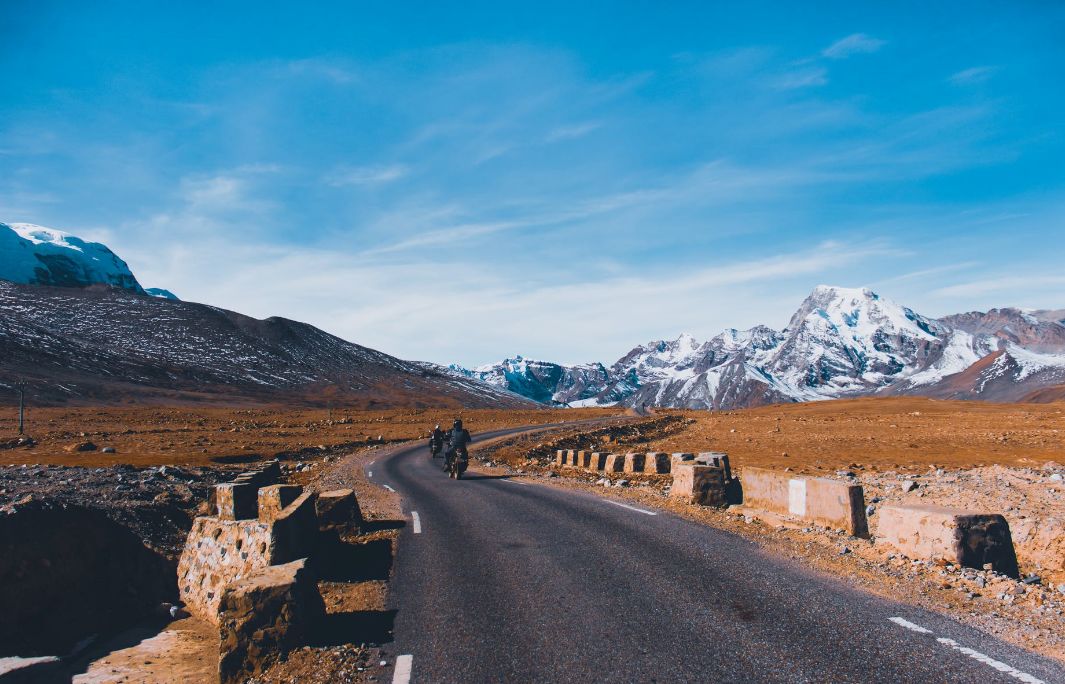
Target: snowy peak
{"x":36,"y":255}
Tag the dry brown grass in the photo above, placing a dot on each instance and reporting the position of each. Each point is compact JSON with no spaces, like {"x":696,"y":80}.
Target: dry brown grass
{"x":185,"y":436}
{"x":903,"y":434}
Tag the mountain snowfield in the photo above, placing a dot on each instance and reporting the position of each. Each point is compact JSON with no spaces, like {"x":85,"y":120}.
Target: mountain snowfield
{"x":36,"y":255}
{"x":842,"y":342}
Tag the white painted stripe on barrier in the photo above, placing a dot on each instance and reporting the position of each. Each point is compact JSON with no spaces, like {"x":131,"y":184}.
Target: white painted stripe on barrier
{"x":417,"y":522}
{"x":797,"y":497}
{"x":389,"y":489}
{"x":902,"y":622}
{"x":631,"y":508}
{"x":404,"y":663}
{"x":988,"y":660}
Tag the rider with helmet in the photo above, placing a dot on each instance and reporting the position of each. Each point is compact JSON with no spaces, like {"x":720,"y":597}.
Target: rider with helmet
{"x":459,"y":439}
{"x":436,"y":441}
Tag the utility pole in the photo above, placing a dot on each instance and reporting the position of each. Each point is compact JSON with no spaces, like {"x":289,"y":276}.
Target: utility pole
{"x":21,"y":388}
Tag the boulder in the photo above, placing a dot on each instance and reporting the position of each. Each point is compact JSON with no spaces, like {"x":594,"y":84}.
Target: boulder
{"x":264,"y":616}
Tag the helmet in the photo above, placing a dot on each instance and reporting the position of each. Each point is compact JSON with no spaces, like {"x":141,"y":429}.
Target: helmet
{"x":437,"y":426}
{"x":458,"y":424}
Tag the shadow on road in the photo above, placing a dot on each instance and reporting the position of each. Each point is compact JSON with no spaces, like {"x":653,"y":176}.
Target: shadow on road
{"x":485,"y":477}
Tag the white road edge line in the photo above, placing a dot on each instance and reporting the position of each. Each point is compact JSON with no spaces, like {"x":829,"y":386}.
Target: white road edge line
{"x":631,"y":508}
{"x":517,"y":482}
{"x":988,"y":660}
{"x":403,"y":668}
{"x":389,"y":488}
{"x":975,"y":655}
{"x":902,"y":622}
{"x":417,"y":522}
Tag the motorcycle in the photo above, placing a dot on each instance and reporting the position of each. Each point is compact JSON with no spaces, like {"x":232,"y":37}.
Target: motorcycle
{"x":455,"y":463}
{"x":434,"y":449}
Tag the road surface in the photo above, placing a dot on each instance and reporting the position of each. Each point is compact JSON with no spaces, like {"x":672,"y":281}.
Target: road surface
{"x":498,"y":580}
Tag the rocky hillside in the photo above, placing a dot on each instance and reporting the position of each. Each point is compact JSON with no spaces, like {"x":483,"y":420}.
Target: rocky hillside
{"x":111,"y":345}
{"x":840,"y":343}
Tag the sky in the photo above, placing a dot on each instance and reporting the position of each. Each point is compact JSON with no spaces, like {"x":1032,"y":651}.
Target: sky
{"x":461,"y":182}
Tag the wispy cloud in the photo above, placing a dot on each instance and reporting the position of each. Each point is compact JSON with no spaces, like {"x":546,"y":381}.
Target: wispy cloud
{"x":854,"y":44}
{"x":367,"y":175}
{"x":973,"y":75}
{"x":572,"y":131}
{"x":803,"y":78}
{"x":1014,"y":284}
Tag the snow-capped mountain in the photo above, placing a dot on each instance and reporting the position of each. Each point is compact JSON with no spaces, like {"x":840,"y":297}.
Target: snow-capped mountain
{"x":542,"y":381}
{"x":841,"y":342}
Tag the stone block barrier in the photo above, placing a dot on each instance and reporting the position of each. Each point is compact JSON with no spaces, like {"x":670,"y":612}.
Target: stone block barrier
{"x":584,"y":459}
{"x":656,"y":463}
{"x":338,"y":509}
{"x":829,"y":503}
{"x":597,"y":461}
{"x":634,"y":463}
{"x":965,"y":538}
{"x":700,"y":483}
{"x":615,"y":463}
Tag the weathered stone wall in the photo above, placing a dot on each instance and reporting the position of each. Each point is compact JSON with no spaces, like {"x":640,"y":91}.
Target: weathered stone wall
{"x":216,"y":553}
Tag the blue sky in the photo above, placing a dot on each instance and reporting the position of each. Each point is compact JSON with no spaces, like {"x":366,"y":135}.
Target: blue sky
{"x":460,"y":183}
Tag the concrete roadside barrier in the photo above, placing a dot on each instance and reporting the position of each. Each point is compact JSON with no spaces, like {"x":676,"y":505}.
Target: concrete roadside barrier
{"x":634,"y":463}
{"x":716,"y":458}
{"x":674,"y":459}
{"x":584,"y":459}
{"x":830,"y":503}
{"x":965,"y":538}
{"x":656,"y":463}
{"x":560,"y":457}
{"x":597,"y":461}
{"x":699,"y":483}
{"x":615,"y":463}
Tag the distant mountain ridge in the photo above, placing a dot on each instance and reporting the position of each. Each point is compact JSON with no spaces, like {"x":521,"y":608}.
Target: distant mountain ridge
{"x":841,"y":342}
{"x":76,"y":326}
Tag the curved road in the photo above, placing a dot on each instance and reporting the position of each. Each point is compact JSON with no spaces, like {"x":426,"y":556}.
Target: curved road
{"x":498,"y":580}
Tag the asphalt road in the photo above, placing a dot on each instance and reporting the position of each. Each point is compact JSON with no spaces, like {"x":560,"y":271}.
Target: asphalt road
{"x":501,"y":581}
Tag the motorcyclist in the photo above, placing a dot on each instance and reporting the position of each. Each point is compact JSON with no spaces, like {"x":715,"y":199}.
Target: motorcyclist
{"x":436,"y":441}
{"x":459,"y":438}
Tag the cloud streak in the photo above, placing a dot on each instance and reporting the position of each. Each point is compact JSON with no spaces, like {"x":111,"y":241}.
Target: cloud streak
{"x":854,"y":44}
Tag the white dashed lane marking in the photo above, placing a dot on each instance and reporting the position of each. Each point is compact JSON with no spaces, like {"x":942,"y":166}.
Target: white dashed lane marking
{"x":631,"y":508}
{"x":417,"y":522}
{"x":975,"y":655}
{"x":389,"y":488}
{"x":901,"y":622}
{"x":403,"y":668}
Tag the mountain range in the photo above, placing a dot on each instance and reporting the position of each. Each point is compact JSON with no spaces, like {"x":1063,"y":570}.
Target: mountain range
{"x":76,"y":326}
{"x":841,"y":342}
